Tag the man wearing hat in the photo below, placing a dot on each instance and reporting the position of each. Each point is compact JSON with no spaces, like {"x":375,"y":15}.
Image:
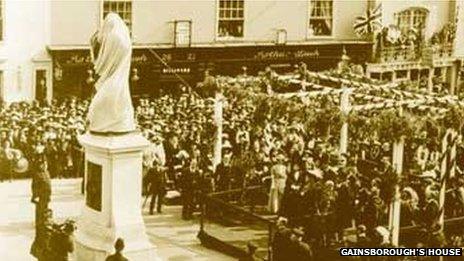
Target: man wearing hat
{"x":6,"y":161}
{"x":172,"y":148}
{"x":41,"y":193}
{"x":298,"y":250}
{"x":157,"y":180}
{"x":189,"y":174}
{"x":344,"y":65}
{"x":118,"y":256}
{"x":250,"y":256}
{"x":362,"y":240}
{"x":223,"y":174}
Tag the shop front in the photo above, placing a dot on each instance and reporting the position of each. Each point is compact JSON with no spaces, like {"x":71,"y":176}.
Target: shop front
{"x":158,"y":70}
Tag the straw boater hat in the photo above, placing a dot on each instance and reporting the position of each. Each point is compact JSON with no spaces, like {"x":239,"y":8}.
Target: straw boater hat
{"x":316,"y":173}
{"x":182,"y":155}
{"x":226,"y":145}
{"x":345,"y":57}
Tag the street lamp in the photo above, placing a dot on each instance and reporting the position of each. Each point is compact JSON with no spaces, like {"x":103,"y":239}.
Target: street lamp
{"x":135,"y":76}
{"x":90,"y":78}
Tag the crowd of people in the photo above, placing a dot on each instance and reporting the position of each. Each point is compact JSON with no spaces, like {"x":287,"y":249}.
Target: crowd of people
{"x":307,"y":182}
{"x":34,"y":131}
{"x":322,"y":192}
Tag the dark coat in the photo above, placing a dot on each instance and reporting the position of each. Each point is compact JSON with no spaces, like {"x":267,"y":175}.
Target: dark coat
{"x":281,"y":244}
{"x":223,"y":177}
{"x":157,"y":181}
{"x":116,"y":257}
{"x":187,"y":181}
{"x":41,"y":187}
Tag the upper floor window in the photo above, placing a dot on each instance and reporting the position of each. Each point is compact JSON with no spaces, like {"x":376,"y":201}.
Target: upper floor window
{"x":412,"y":18}
{"x":122,"y":7}
{"x":231,"y":18}
{"x":321,"y":17}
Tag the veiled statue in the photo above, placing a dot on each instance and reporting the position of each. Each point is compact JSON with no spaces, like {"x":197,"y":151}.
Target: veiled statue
{"x":111,"y":109}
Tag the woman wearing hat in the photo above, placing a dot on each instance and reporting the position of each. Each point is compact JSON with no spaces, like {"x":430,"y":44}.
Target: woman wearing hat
{"x":6,"y":161}
{"x":278,"y":181}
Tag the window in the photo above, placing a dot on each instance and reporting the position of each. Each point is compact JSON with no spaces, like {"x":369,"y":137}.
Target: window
{"x":321,"y":18}
{"x":231,"y":18}
{"x":122,"y":7}
{"x":412,"y":18}
{"x":182,"y":33}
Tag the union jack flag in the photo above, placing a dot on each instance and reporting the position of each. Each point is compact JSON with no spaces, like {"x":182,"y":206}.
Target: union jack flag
{"x":370,"y":22}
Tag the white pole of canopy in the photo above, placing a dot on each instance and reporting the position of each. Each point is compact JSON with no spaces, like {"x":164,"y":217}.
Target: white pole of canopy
{"x":450,"y":136}
{"x":453,"y":155}
{"x":395,"y":207}
{"x":345,"y":109}
{"x":441,"y":200}
{"x":218,"y":120}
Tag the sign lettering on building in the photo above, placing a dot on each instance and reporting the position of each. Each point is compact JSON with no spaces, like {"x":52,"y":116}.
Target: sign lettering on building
{"x":191,"y":57}
{"x":306,"y":54}
{"x":276,"y":55}
{"x":175,"y":70}
{"x":84,"y":59}
{"x":140,"y":59}
{"x":79,"y":59}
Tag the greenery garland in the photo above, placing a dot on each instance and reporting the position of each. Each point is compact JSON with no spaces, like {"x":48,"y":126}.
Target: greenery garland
{"x":322,"y":117}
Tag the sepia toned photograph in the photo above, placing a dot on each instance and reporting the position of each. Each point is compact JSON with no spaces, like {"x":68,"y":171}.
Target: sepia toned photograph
{"x":216,"y":130}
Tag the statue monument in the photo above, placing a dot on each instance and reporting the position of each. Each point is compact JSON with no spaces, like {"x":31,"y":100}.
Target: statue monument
{"x":111,"y":108}
{"x":113,"y":155}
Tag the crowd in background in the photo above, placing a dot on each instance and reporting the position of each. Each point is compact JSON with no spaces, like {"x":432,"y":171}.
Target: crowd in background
{"x":35,"y":131}
{"x":317,"y":191}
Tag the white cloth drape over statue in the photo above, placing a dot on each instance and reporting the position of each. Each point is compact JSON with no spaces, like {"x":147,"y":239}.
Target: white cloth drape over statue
{"x":111,"y":108}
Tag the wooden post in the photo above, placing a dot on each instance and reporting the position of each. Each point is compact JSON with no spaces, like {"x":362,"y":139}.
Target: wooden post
{"x":218,"y":107}
{"x":345,"y":109}
{"x":395,"y":207}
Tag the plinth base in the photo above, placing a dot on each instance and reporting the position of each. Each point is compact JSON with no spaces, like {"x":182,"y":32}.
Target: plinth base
{"x":113,"y":182}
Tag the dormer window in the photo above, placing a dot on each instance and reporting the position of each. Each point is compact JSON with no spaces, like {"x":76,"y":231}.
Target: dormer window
{"x":414,"y":18}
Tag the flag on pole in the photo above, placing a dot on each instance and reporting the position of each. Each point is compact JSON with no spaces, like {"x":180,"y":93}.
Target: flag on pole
{"x":368,"y":23}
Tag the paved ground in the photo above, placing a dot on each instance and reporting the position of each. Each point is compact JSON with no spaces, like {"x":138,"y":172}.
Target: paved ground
{"x":174,"y":238}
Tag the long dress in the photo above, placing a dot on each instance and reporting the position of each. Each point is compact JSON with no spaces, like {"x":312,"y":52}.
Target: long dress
{"x":111,"y":108}
{"x":278,"y":181}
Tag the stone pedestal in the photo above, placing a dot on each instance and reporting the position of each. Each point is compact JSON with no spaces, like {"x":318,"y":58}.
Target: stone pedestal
{"x":112,"y":209}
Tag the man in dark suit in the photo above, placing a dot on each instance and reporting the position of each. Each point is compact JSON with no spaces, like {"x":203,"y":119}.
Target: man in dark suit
{"x":189,"y":173}
{"x":118,"y":246}
{"x":209,"y":86}
{"x":41,"y":193}
{"x":157,"y":180}
{"x":224,"y":173}
{"x":292,"y":199}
